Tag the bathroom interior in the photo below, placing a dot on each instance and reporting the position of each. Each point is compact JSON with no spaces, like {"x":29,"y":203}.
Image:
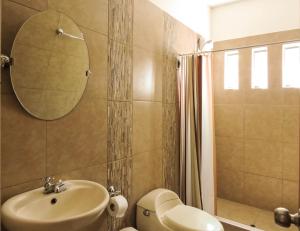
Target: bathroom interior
{"x":167,"y":115}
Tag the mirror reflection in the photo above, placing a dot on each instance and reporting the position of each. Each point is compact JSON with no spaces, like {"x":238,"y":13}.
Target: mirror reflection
{"x":50,"y":65}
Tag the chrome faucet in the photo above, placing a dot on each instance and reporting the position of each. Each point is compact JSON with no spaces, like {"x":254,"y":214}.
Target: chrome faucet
{"x":50,"y":186}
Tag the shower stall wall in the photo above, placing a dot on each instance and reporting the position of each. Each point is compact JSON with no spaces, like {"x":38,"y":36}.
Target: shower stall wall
{"x":257,"y":134}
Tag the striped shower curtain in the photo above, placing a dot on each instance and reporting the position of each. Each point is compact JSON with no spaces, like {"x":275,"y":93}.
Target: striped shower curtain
{"x":197,"y":186}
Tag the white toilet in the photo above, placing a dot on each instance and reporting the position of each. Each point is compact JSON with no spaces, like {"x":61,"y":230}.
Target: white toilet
{"x":162,"y":210}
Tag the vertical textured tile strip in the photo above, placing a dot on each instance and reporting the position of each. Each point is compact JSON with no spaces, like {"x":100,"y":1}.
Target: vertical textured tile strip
{"x":119,"y":138}
{"x":119,"y":93}
{"x":169,"y":33}
{"x":121,"y":21}
{"x":119,"y":175}
{"x":169,"y":61}
{"x":170,"y":114}
{"x":170,"y":78}
{"x":170,"y":147}
{"x":119,"y":71}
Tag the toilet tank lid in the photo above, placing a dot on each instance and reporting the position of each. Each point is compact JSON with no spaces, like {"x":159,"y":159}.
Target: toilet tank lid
{"x":155,"y":198}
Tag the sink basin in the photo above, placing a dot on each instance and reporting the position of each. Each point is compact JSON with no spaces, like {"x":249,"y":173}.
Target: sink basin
{"x":77,"y":207}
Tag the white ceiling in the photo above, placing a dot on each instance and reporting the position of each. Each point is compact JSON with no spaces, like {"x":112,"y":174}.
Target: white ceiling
{"x":214,"y":3}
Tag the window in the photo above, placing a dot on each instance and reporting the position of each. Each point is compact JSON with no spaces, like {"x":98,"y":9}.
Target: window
{"x":259,"y":69}
{"x":291,"y":65}
{"x":231,"y":70}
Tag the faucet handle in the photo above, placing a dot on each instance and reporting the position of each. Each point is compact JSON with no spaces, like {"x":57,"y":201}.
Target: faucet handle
{"x":49,"y":179}
{"x":59,"y":186}
{"x":60,"y":182}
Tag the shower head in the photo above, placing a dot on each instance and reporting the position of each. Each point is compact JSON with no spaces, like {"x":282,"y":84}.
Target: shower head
{"x":201,"y":47}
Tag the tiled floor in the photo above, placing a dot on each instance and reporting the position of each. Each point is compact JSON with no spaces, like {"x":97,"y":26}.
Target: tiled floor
{"x":248,"y":215}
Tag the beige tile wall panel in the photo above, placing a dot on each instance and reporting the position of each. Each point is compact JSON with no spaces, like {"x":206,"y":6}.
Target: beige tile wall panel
{"x":266,"y":121}
{"x":148,"y":25}
{"x":92,"y":14}
{"x":259,"y":39}
{"x":23,"y":144}
{"x":147,"y":126}
{"x":129,"y":106}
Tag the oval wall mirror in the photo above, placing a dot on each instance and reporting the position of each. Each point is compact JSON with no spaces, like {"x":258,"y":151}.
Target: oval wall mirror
{"x":50,"y":65}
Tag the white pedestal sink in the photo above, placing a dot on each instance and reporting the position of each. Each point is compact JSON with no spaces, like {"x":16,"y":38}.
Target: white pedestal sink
{"x":77,"y":207}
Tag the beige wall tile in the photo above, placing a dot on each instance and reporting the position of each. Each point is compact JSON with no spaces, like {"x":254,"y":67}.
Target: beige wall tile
{"x":185,"y":39}
{"x":245,"y":68}
{"x":230,"y":153}
{"x":290,"y":196}
{"x":229,"y":120}
{"x":97,"y":173}
{"x":262,"y":192}
{"x":291,"y":96}
{"x":290,"y":161}
{"x":230,"y":184}
{"x":35,"y":4}
{"x":11,"y":191}
{"x":275,"y":66}
{"x":148,"y":26}
{"x":264,"y":96}
{"x":23,"y":142}
{"x":263,"y":122}
{"x":148,"y":166}
{"x":263,"y":158}
{"x":147,"y":75}
{"x":80,"y":136}
{"x":92,"y":14}
{"x":97,"y":47}
{"x":10,"y":27}
{"x":218,"y":72}
{"x":290,"y":126}
{"x":6,"y":86}
{"x":147,"y":126}
{"x":258,"y":39}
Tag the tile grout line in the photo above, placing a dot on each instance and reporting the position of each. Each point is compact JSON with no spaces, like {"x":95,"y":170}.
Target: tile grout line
{"x":26,"y":6}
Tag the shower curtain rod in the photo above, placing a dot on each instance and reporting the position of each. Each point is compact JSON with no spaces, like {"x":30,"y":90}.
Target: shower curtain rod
{"x":241,"y":47}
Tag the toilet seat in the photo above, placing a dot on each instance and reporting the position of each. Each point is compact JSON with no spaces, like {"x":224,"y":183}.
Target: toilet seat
{"x":187,"y":218}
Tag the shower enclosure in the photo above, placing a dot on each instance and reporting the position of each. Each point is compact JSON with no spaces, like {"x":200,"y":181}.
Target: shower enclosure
{"x":256,"y":104}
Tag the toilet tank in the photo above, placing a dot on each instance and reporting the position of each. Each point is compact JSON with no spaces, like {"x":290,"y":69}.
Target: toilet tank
{"x":151,"y":208}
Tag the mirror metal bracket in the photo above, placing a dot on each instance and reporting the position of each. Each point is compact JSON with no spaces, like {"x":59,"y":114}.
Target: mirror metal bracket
{"x":6,"y":61}
{"x":88,"y":73}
